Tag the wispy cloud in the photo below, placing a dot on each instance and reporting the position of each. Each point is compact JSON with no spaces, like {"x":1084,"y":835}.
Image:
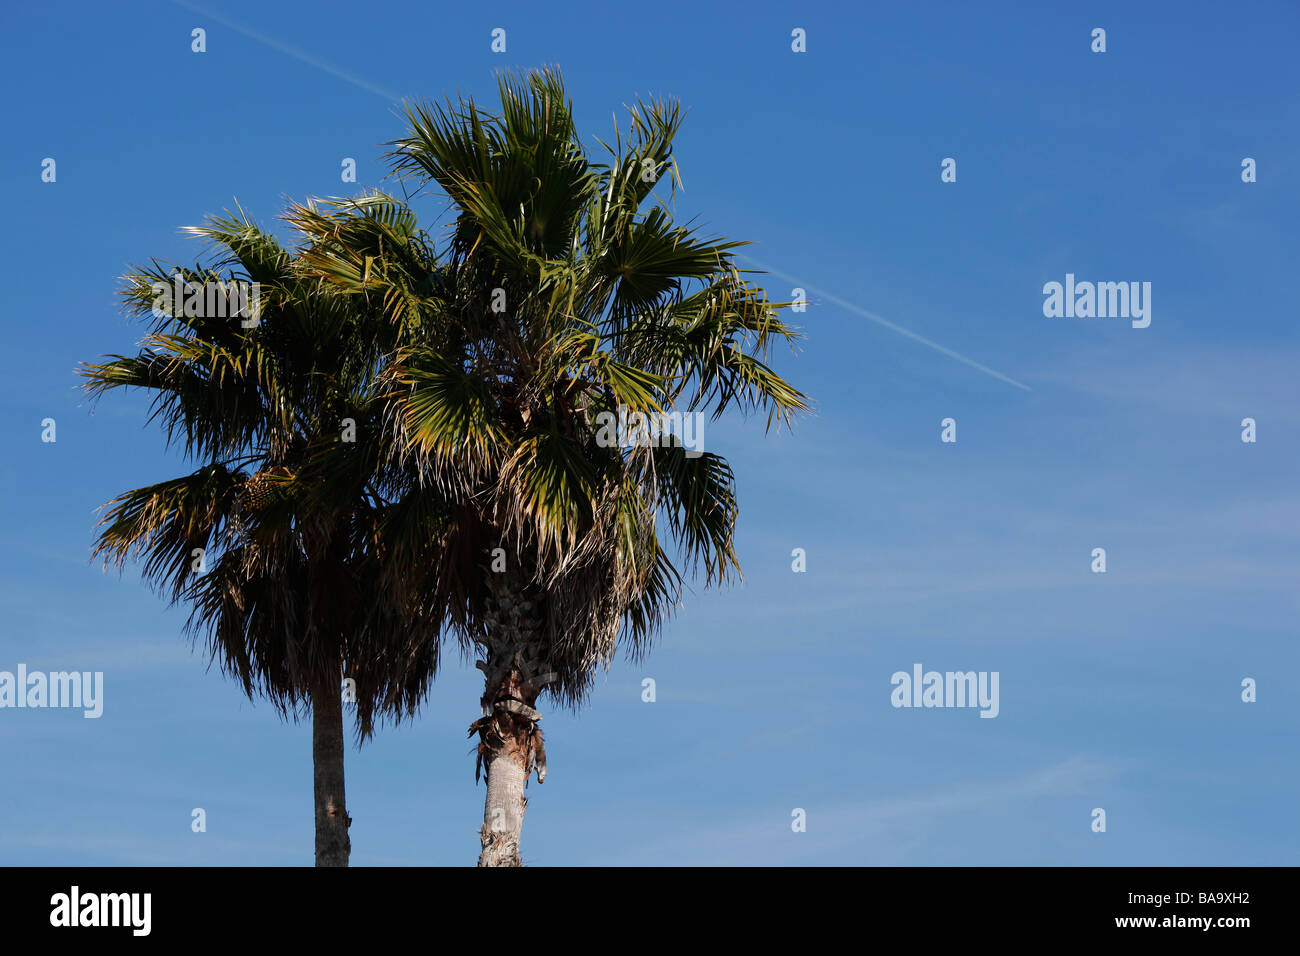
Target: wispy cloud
{"x":875,"y":831}
{"x":1220,"y":381}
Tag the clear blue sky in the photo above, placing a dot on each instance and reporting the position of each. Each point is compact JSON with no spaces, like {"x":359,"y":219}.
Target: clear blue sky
{"x":1119,"y":691}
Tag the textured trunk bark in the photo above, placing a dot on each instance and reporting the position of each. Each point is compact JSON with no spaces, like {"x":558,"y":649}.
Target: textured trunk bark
{"x":332,"y":821}
{"x":510,"y":742}
{"x":503,"y":810}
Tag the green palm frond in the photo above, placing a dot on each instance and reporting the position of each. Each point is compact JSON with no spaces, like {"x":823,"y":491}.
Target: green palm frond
{"x":288,"y":504}
{"x":164,"y":524}
{"x":611,"y":307}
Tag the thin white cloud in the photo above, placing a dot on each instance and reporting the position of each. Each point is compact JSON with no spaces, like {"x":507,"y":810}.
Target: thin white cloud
{"x":873,"y":825}
{"x":1222,"y":381}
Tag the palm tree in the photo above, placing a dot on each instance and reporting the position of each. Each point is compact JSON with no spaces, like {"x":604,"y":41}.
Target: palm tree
{"x":273,"y":540}
{"x":563,"y":296}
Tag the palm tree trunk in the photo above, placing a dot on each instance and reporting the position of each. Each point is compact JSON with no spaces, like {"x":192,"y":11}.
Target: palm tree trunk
{"x":503,"y":810}
{"x":510,"y":742}
{"x":332,"y":821}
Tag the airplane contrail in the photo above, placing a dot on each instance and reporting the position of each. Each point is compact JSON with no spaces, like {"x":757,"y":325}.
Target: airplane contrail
{"x":291,"y":51}
{"x":858,"y":310}
{"x":393,"y":97}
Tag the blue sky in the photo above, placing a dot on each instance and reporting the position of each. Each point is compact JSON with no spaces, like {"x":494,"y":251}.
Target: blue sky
{"x":1119,"y":690}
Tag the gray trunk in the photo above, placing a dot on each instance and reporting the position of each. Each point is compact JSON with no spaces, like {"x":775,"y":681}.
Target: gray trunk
{"x":503,"y":810}
{"x":332,"y":821}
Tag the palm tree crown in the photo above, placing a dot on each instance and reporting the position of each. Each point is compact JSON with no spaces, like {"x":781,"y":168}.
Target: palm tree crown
{"x":273,"y":541}
{"x":558,"y":297}
{"x":563,"y":297}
